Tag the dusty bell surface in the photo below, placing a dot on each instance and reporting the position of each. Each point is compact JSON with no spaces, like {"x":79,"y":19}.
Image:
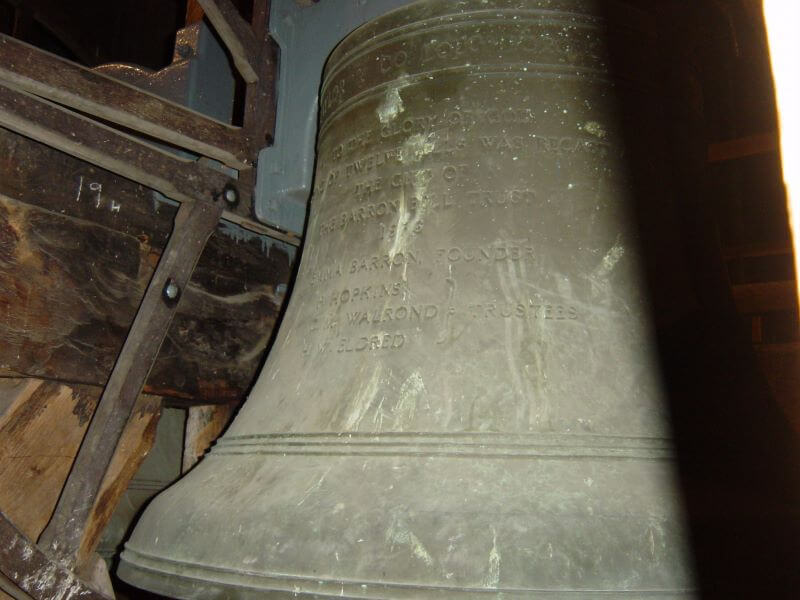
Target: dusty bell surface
{"x":463,"y":399}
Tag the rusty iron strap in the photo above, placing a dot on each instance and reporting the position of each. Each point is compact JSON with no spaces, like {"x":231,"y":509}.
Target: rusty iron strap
{"x":30,"y":570}
{"x":194,"y":223}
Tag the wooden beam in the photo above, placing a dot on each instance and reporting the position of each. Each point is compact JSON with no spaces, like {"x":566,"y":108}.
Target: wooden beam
{"x":193,"y":225}
{"x":259,"y":111}
{"x":759,"y":143}
{"x":194,"y":12}
{"x":134,"y":445}
{"x":39,"y":437}
{"x":27,"y":567}
{"x":7,"y":584}
{"x":776,"y":248}
{"x":177,"y":178}
{"x":290,"y":237}
{"x":69,"y":290}
{"x":78,"y":246}
{"x":203,"y":425}
{"x":93,"y":93}
{"x":40,"y":433}
{"x":765,"y":297}
{"x":236,"y":34}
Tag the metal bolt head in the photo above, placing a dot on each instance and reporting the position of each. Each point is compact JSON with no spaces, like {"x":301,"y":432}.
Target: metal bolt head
{"x":230,"y":194}
{"x":172,"y":290}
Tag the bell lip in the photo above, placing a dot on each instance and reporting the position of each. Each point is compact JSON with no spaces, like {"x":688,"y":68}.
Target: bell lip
{"x":192,"y":581}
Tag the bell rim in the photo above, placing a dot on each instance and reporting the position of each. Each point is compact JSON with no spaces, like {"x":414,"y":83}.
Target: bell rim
{"x":140,"y":569}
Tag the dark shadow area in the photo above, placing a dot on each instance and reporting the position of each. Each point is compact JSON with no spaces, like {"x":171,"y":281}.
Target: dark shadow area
{"x":94,"y":32}
{"x":739,"y":463}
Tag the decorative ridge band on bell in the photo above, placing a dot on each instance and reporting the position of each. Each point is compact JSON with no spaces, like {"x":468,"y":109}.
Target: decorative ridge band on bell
{"x":464,"y":396}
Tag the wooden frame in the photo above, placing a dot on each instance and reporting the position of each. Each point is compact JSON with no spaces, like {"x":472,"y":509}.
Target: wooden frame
{"x":40,"y":97}
{"x":193,"y":225}
{"x":67,"y":83}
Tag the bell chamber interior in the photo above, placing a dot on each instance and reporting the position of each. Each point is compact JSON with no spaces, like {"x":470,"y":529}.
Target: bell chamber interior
{"x":464,"y":398}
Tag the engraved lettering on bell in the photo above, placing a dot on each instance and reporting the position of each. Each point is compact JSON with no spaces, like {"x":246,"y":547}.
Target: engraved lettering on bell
{"x":463,"y":398}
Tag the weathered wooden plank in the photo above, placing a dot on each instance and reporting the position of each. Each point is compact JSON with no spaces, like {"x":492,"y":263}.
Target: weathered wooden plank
{"x":38,"y":175}
{"x":237,"y":36}
{"x":225,"y":322}
{"x":203,"y":426}
{"x":68,"y":293}
{"x":10,"y":389}
{"x":177,"y":178}
{"x":194,"y":12}
{"x":39,"y":436}
{"x":34,"y":573}
{"x":40,"y":433}
{"x":90,"y":92}
{"x":137,"y":440}
{"x":193,"y":226}
{"x":41,"y":428}
{"x":290,"y":237}
{"x":7,"y":584}
{"x":259,"y":110}
{"x":69,"y":290}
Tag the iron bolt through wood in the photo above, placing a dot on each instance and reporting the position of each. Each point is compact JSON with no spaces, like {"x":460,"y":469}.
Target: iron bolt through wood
{"x":230,"y":194}
{"x":172,"y":290}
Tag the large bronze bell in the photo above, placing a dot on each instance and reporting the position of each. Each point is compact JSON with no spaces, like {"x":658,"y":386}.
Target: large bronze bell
{"x":463,"y":399}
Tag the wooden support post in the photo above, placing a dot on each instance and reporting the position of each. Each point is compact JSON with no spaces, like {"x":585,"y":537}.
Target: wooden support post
{"x":259,"y":110}
{"x":93,"y":93}
{"x":237,"y":36}
{"x":177,"y":178}
{"x":193,"y":225}
{"x":204,"y":424}
{"x":135,"y":443}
